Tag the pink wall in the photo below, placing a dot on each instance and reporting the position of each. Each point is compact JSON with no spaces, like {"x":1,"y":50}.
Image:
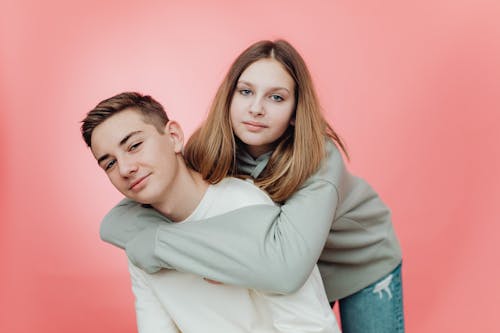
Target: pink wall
{"x":412,"y":88}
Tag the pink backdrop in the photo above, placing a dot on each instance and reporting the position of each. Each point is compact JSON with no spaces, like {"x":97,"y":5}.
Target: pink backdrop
{"x":412,"y":87}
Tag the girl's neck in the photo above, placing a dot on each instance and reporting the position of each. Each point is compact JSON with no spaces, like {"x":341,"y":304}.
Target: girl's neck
{"x":257,"y":151}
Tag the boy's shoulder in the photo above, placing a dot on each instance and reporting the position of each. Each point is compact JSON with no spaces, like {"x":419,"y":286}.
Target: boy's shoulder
{"x":241,"y":192}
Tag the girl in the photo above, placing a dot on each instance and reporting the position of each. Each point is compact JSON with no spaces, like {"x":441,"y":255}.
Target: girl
{"x":275,"y":133}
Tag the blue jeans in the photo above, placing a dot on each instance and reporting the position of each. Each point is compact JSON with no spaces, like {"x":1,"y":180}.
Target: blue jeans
{"x":377,"y":308}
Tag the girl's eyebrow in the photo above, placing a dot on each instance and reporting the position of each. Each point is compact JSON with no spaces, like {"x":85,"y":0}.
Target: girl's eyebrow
{"x":245,"y":82}
{"x":251,"y":85}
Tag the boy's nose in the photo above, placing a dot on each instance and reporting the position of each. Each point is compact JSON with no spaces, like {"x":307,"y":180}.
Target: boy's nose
{"x":127,"y":168}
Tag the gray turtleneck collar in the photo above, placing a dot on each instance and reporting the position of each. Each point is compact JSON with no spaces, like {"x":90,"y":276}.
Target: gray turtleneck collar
{"x":249,"y":165}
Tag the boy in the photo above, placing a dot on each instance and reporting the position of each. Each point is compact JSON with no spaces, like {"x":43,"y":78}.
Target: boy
{"x":140,"y":150}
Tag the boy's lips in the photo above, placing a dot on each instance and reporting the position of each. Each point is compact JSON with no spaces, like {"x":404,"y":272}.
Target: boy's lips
{"x":138,"y":181}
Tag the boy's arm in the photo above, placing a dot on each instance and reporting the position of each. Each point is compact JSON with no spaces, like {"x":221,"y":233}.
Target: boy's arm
{"x":307,"y":310}
{"x":150,"y":315}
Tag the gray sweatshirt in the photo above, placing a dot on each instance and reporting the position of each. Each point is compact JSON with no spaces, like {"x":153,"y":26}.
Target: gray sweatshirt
{"x":335,"y":219}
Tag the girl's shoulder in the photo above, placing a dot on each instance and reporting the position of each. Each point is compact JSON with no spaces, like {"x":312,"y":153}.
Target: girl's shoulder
{"x":332,"y":169}
{"x":333,"y":152}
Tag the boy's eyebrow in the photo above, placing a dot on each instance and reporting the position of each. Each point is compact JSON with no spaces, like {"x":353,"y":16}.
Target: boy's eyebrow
{"x":128,"y":136}
{"x":102,"y":158}
{"x":122,"y":142}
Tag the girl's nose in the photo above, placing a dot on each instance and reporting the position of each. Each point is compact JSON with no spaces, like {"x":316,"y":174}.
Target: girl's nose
{"x":257,"y":108}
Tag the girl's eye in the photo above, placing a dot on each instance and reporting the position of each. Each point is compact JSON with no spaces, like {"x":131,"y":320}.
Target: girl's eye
{"x":135,"y":146}
{"x":245,"y":92}
{"x":276,"y":98}
{"x":109,"y":165}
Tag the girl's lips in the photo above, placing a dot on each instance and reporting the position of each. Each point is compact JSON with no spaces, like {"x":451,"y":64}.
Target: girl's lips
{"x":254,"y":126}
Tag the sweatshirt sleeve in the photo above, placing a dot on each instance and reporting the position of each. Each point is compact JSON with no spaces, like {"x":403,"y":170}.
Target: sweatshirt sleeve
{"x":124,"y":221}
{"x":263,"y":247}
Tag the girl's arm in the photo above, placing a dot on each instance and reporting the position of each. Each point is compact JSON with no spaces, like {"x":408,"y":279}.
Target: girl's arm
{"x":126,"y":220}
{"x":262,"y":247}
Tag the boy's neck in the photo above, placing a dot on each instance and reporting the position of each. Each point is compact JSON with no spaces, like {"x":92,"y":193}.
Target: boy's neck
{"x":185,"y":195}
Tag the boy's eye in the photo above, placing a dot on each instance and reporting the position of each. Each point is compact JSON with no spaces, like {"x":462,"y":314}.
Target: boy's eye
{"x":135,"y":146}
{"x":276,"y":98}
{"x":109,"y":165}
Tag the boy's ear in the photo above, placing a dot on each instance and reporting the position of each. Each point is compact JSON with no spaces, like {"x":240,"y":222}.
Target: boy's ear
{"x":175,"y":133}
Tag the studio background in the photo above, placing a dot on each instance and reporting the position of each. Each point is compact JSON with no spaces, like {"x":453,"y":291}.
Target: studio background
{"x":412,"y":87}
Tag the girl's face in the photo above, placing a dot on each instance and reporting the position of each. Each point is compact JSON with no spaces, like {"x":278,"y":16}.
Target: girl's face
{"x":263,"y":105}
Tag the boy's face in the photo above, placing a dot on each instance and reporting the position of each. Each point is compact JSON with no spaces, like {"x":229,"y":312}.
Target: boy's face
{"x":140,"y":162}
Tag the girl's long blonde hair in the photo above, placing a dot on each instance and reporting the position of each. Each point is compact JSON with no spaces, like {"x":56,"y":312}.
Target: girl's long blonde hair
{"x":211,"y":150}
